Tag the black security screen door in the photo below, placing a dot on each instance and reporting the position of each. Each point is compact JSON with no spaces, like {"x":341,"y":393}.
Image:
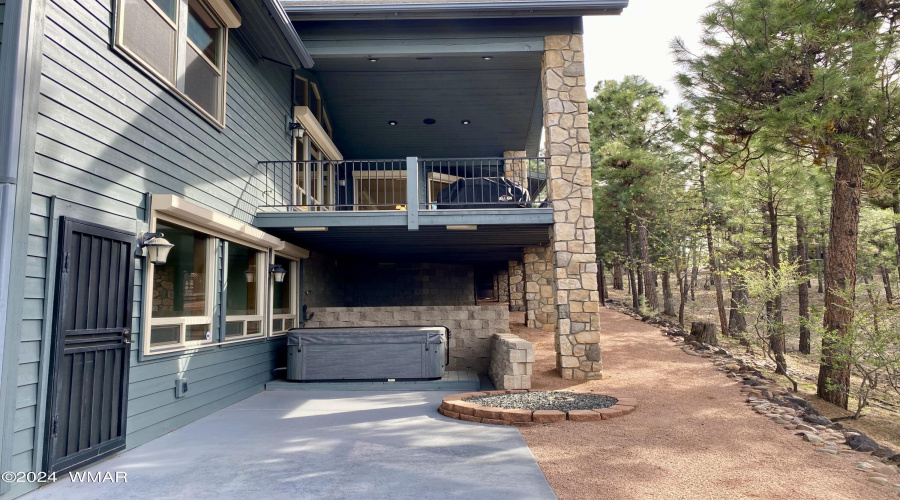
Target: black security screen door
{"x":91,"y":344}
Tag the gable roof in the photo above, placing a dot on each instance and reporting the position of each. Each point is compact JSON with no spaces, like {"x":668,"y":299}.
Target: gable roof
{"x":393,"y":9}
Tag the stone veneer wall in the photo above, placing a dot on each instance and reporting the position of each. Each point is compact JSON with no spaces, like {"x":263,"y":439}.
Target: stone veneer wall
{"x":511,"y":360}
{"x":356,"y":283}
{"x":573,"y":260}
{"x":369,"y":284}
{"x":323,"y":281}
{"x":539,"y":283}
{"x":471,"y":327}
{"x":516,"y":286}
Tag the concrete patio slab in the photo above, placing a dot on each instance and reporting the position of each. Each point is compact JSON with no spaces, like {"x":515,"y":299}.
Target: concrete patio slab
{"x":323,"y":445}
{"x":453,"y":380}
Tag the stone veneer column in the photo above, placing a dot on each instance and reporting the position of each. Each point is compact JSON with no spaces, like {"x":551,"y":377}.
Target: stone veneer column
{"x":516,"y":170}
{"x":539,"y":306}
{"x":503,"y":286}
{"x":573,"y":250}
{"x":516,"y":286}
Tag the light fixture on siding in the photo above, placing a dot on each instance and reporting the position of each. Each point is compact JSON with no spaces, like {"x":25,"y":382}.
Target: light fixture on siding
{"x":392,"y":122}
{"x":466,"y":122}
{"x":293,"y":128}
{"x":157,"y":247}
{"x":487,"y":58}
{"x":277,"y":272}
{"x":372,"y":59}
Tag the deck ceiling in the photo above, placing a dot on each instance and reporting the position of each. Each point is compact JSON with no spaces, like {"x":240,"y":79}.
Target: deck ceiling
{"x":489,"y":244}
{"x":433,"y":70}
{"x":499,"y":97}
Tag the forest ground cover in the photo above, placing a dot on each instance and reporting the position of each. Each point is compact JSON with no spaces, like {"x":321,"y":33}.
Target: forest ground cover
{"x":880,"y":420}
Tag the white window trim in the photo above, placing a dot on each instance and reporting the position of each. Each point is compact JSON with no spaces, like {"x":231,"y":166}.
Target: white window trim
{"x":317,"y":113}
{"x":224,"y":13}
{"x":314,"y":130}
{"x":305,"y":89}
{"x":181,"y":321}
{"x":294,"y":296}
{"x":261,"y":301}
{"x":178,"y":211}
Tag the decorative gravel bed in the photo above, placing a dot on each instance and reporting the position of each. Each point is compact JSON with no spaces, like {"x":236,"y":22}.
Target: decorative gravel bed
{"x":524,"y":408}
{"x":555,"y":400}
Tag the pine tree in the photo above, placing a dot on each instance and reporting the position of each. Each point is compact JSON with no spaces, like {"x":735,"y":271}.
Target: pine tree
{"x":806,"y":77}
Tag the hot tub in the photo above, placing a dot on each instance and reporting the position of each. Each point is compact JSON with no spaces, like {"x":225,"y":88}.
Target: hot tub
{"x":367,"y":353}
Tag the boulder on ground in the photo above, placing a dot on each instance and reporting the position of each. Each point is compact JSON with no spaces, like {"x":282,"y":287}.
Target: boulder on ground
{"x":860,"y":442}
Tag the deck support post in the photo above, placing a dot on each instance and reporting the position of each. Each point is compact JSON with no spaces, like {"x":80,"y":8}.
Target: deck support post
{"x":574,"y":260}
{"x":412,"y":193}
{"x":516,"y":286}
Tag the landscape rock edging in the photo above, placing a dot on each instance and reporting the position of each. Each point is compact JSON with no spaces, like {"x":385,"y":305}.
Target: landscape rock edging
{"x":455,"y":406}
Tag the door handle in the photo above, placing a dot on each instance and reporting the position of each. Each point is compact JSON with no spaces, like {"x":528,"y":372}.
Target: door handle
{"x":127,"y":334}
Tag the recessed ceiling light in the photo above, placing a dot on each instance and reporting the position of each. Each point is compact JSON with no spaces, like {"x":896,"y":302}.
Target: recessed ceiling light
{"x":392,"y":122}
{"x":373,"y":59}
{"x":466,"y":122}
{"x":429,"y":121}
{"x":487,"y":58}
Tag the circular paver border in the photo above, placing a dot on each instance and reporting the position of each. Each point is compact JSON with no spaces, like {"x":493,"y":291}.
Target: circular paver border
{"x":455,"y":406}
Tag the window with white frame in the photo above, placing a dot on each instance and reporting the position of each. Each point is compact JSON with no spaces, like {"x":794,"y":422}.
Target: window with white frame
{"x":285,"y":296}
{"x":245,"y":287}
{"x":183,"y":43}
{"x":182,"y":291}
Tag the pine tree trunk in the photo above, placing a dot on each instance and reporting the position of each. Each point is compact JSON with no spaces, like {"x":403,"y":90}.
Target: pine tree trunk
{"x":713,"y":267}
{"x":886,"y":279}
{"x":681,"y":279}
{"x":617,"y":274}
{"x":840,"y":278}
{"x":630,"y":263}
{"x":646,"y":271}
{"x":774,"y":306}
{"x":896,"y":208}
{"x":821,"y":270}
{"x":601,"y":281}
{"x":695,"y":271}
{"x":803,"y":286}
{"x":668,"y":303}
{"x":737,"y":323}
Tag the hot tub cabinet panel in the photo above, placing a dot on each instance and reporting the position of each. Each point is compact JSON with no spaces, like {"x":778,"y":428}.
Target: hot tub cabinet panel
{"x":367,"y":353}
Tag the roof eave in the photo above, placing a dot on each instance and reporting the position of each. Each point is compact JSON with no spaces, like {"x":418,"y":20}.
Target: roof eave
{"x":278,"y":14}
{"x":525,"y":8}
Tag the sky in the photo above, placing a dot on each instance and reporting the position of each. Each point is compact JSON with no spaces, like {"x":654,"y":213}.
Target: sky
{"x":637,"y":42}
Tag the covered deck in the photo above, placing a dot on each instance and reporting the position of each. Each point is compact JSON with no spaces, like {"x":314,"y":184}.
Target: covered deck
{"x":453,"y":115}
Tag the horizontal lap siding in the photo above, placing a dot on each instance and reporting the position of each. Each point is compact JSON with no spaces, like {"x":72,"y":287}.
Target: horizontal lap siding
{"x":106,"y":134}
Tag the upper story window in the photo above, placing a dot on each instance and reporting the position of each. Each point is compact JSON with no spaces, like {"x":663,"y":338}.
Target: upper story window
{"x":315,"y":102}
{"x":307,"y":94}
{"x":183,"y":43}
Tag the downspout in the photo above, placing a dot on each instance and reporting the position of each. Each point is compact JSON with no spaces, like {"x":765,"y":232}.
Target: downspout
{"x":20,"y":65}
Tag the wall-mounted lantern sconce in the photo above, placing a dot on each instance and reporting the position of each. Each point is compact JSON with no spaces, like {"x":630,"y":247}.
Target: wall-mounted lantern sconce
{"x":277,"y":272}
{"x":157,"y":248}
{"x":293,"y":128}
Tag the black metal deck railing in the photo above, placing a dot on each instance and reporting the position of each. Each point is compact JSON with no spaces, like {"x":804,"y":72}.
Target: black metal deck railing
{"x":402,"y":184}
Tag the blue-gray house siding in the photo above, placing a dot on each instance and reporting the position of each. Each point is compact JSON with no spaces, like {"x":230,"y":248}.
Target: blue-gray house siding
{"x":106,"y":135}
{"x":2,"y":13}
